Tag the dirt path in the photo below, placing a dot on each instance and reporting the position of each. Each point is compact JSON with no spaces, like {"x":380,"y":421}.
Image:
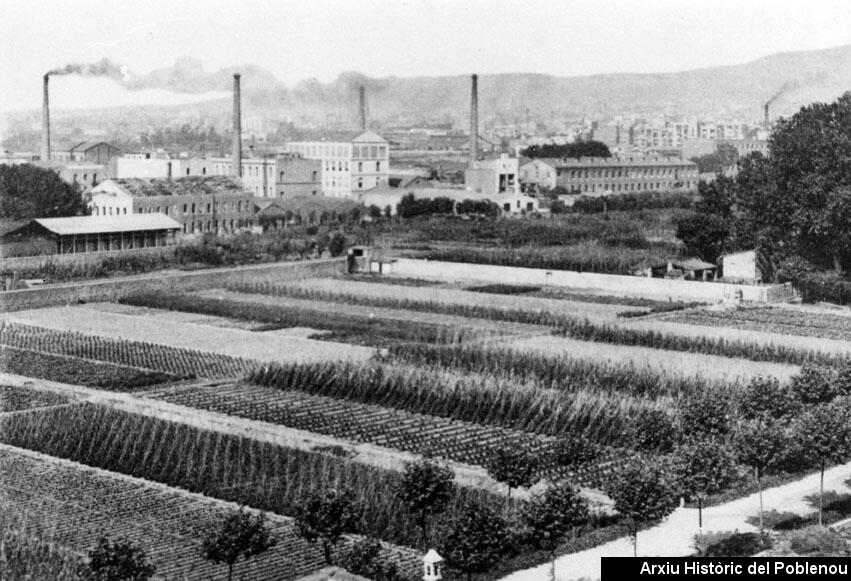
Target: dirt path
{"x":674,"y":536}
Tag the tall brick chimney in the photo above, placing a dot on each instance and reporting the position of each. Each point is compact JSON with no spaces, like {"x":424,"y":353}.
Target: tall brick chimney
{"x":474,"y":121}
{"x":766,"y":112}
{"x":362,"y":107}
{"x":236,"y":147}
{"x":45,"y":122}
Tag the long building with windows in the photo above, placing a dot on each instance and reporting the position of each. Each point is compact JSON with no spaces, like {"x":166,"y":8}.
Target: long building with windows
{"x":201,"y":204}
{"x":611,"y":175}
{"x":351,"y":162}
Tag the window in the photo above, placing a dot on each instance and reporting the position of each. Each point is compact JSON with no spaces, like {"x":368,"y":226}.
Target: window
{"x":85,"y":177}
{"x":377,"y":166}
{"x":204,"y":171}
{"x":315,"y":176}
{"x":193,"y":208}
{"x":187,"y":171}
{"x":360,"y":183}
{"x":360,"y":166}
{"x":282,"y":177}
{"x":184,"y":208}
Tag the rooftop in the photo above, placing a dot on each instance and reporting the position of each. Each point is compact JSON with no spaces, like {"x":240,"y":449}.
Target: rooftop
{"x":189,"y":185}
{"x":615,"y":162}
{"x":107,"y":224}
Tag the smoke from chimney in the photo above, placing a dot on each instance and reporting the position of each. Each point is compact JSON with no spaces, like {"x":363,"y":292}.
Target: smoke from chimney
{"x":474,"y":121}
{"x":45,"y":121}
{"x":786,"y":86}
{"x":236,"y":169}
{"x":362,"y":107}
{"x":102,"y":68}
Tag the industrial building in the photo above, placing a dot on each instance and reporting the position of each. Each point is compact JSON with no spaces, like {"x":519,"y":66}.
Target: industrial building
{"x":351,"y":162}
{"x":200,"y":203}
{"x":81,"y":234}
{"x":611,"y":175}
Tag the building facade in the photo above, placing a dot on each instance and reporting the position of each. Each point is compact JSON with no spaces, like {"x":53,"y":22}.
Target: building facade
{"x":612,"y":175}
{"x":350,"y":163}
{"x":214,"y":204}
{"x":492,"y":177}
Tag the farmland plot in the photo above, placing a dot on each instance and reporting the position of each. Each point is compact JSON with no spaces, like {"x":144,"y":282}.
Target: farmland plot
{"x":14,"y":398}
{"x":421,"y":434}
{"x":236,"y":343}
{"x":78,"y":505}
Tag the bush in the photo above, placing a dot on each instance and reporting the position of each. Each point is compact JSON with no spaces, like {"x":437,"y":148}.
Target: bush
{"x":737,"y":545}
{"x":818,"y":541}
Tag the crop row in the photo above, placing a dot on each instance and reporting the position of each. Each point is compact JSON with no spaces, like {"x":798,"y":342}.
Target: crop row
{"x":416,"y":433}
{"x":75,"y":506}
{"x":772,"y":320}
{"x":482,"y":399}
{"x":563,"y":325}
{"x":228,"y":467}
{"x":14,"y":398}
{"x":77,"y":371}
{"x":183,"y":363}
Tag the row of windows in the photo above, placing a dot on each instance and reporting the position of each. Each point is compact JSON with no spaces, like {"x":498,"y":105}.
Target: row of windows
{"x":207,"y":208}
{"x":108,"y":210}
{"x":368,"y":151}
{"x":632,"y":187}
{"x":215,"y":226}
{"x":314,"y":176}
{"x":625,"y":172}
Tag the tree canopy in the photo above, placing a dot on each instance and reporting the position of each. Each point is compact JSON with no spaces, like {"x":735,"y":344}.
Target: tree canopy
{"x":477,"y":540}
{"x":28,"y":191}
{"x":117,"y":561}
{"x":326,"y":516}
{"x":577,"y":150}
{"x":426,"y":489}
{"x":239,"y":535}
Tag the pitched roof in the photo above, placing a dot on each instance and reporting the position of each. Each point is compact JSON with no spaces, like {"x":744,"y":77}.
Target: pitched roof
{"x":87,"y":145}
{"x":344,"y":137}
{"x":189,"y":185}
{"x":107,"y":224}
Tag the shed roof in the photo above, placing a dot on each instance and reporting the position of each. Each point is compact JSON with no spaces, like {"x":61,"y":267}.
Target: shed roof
{"x":107,"y":224}
{"x":87,"y":145}
{"x":190,"y":185}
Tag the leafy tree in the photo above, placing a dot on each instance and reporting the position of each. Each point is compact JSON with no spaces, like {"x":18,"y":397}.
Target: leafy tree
{"x":374,"y":212}
{"x":761,"y":443}
{"x":705,"y":413}
{"x":816,"y":384}
{"x":337,"y":244}
{"x":703,"y":467}
{"x":766,"y":396}
{"x":577,"y":150}
{"x":551,"y":515}
{"x":642,"y":492}
{"x":724,"y":156}
{"x":513,"y":467}
{"x":426,"y":489}
{"x":825,"y":435}
{"x":704,"y":235}
{"x":365,"y":559}
{"x":326,"y":516}
{"x":717,"y":198}
{"x":476,"y":540}
{"x":28,"y":191}
{"x":238,"y":535}
{"x":573,"y":452}
{"x":653,"y":431}
{"x":118,"y":561}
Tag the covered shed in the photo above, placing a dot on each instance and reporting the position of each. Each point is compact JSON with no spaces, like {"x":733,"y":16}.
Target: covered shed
{"x":78,"y":234}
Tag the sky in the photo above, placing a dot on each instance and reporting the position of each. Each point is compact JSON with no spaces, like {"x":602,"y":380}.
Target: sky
{"x":300,"y":39}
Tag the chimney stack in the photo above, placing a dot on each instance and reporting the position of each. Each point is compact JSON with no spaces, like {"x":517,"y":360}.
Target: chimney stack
{"x":236,"y":147}
{"x":474,"y":121}
{"x":362,"y":110}
{"x":45,"y":122}
{"x":766,"y":112}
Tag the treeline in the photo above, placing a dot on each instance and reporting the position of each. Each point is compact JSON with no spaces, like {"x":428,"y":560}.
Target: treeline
{"x":577,"y":150}
{"x":411,"y":207}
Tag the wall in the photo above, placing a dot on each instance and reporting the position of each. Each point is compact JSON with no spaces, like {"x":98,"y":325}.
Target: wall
{"x":32,"y":262}
{"x":631,"y":286}
{"x":114,"y":289}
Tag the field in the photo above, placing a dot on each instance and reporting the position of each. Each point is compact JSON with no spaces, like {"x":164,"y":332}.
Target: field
{"x":14,"y":399}
{"x":73,"y":506}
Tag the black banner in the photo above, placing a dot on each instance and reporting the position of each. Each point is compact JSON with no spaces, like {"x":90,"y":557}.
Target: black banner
{"x":702,"y":568}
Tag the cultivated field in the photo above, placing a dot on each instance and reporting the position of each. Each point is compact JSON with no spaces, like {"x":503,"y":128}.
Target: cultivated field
{"x":14,"y":399}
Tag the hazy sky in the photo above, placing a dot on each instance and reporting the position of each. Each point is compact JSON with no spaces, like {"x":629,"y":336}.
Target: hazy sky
{"x":321,"y":38}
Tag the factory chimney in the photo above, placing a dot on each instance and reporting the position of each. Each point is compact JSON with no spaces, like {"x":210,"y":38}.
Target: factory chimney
{"x":474,"y":121}
{"x":766,"y":112}
{"x":236,"y":147}
{"x":45,"y":122}
{"x":362,"y":105}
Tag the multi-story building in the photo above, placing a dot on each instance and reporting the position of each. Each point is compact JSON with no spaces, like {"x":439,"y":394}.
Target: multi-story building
{"x":611,"y":175}
{"x":351,"y":162}
{"x":200,"y":203}
{"x":493,"y":176}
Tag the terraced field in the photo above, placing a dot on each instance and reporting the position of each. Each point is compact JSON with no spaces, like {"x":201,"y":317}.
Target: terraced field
{"x":13,"y":399}
{"x":456,"y":440}
{"x":78,"y":505}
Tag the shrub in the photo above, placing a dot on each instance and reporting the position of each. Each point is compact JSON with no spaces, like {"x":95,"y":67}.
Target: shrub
{"x":738,"y":545}
{"x":820,"y":541}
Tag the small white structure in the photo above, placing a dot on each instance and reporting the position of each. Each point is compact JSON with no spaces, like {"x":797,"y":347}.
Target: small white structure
{"x":432,"y":566}
{"x":741,"y":267}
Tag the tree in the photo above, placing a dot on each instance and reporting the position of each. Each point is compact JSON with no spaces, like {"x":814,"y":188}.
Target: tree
{"x":577,"y":150}
{"x":760,"y":443}
{"x":724,"y":156}
{"x":553,"y":514}
{"x":766,"y":396}
{"x":824,"y":432}
{"x":374,"y":212}
{"x":337,"y":244}
{"x":426,"y":489}
{"x":704,"y":235}
{"x":513,"y":467}
{"x":703,"y":467}
{"x":118,"y":561}
{"x":642,"y":492}
{"x":365,"y":559}
{"x":238,"y":535}
{"x":573,"y":452}
{"x":815,"y":384}
{"x":706,"y":412}
{"x":476,"y":540}
{"x":326,"y":516}
{"x":652,"y":430}
{"x":28,"y":191}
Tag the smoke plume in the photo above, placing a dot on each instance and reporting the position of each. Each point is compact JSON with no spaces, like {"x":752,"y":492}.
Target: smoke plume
{"x":786,"y":87}
{"x":102,"y":68}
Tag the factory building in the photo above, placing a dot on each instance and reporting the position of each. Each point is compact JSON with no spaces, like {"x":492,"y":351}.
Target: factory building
{"x":351,"y":162}
{"x":611,"y":175}
{"x":200,"y":203}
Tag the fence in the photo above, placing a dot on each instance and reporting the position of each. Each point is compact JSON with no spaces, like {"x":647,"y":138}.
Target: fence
{"x":632,"y":286}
